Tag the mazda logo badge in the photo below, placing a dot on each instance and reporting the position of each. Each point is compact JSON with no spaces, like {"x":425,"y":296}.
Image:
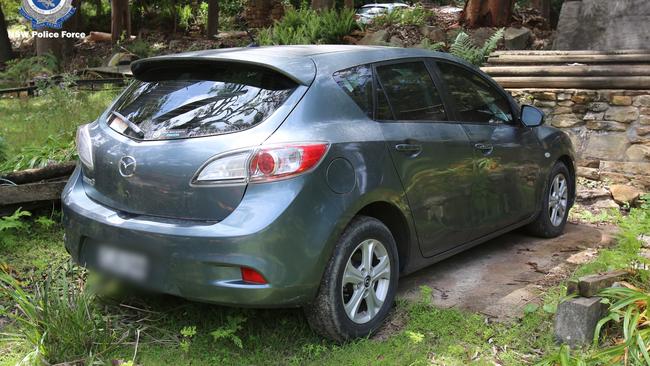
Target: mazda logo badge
{"x":127,"y":166}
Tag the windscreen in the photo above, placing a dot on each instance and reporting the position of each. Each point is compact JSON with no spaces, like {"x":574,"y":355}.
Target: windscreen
{"x":198,"y":100}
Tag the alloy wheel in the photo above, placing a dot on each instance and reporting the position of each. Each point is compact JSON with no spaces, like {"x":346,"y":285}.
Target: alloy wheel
{"x":366,"y":280}
{"x":558,"y":200}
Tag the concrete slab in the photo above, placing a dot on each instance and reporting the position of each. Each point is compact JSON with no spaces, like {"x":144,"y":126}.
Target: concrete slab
{"x":500,"y":276}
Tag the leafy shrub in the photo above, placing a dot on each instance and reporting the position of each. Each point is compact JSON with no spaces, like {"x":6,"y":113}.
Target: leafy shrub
{"x":229,"y":330}
{"x":628,"y":309}
{"x":12,"y":225}
{"x":56,"y":149}
{"x":465,"y":49}
{"x":416,"y":16}
{"x":3,"y":150}
{"x":306,"y":26}
{"x":22,"y":70}
{"x":59,"y":320}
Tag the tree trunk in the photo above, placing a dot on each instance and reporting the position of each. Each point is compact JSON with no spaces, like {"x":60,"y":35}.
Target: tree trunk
{"x":99,"y":9}
{"x":486,"y":13}
{"x":213,"y":18}
{"x":322,"y":4}
{"x":544,"y":7}
{"x":52,"y":46}
{"x":6,"y":53}
{"x":120,"y":19}
{"x":348,"y":4}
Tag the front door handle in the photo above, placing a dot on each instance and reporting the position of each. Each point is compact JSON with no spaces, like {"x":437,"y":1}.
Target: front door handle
{"x":408,"y":148}
{"x":485,"y":148}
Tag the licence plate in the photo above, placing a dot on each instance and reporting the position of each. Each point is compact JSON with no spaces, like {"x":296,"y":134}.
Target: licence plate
{"x":124,"y":263}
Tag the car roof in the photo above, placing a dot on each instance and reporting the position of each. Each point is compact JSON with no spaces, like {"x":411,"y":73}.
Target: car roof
{"x":298,"y":62}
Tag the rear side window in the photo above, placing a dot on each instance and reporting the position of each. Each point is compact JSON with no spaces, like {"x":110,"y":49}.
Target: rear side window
{"x":411,"y":92}
{"x":474,"y":98}
{"x":357,"y":83}
{"x":198,"y":101}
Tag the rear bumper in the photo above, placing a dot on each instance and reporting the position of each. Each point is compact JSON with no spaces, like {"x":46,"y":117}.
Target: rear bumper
{"x":280,"y":238}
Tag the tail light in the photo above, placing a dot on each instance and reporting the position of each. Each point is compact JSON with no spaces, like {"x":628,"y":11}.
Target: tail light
{"x":84,"y":147}
{"x":267,"y":163}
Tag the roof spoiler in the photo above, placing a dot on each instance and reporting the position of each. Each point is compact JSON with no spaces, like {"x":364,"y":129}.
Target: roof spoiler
{"x":300,"y":70}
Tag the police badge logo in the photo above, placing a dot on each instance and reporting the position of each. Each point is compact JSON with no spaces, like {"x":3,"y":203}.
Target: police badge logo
{"x":47,"y":13}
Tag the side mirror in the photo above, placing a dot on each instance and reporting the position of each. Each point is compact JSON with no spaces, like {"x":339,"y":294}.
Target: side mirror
{"x":531,"y":116}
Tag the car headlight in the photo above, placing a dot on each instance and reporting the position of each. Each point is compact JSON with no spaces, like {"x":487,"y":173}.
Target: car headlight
{"x":85,"y":146}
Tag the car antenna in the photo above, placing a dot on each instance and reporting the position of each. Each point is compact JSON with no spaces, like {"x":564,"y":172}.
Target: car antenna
{"x":244,"y":24}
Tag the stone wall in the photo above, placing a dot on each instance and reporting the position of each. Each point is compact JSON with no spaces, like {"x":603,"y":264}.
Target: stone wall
{"x":610,"y":129}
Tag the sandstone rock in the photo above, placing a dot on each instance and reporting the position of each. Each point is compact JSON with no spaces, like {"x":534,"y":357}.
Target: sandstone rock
{"x":579,"y":108}
{"x":626,"y":167}
{"x":606,"y":126}
{"x":643,"y":130}
{"x":433,"y":33}
{"x":622,"y":114}
{"x":563,"y":96}
{"x":565,"y":120}
{"x":562,"y":110}
{"x":594,"y":116}
{"x":517,"y":38}
{"x":605,"y":204}
{"x":544,"y":103}
{"x":581,"y":98}
{"x":598,"y":106}
{"x":608,"y":146}
{"x":638,"y":152}
{"x":625,"y":194}
{"x":395,"y":42}
{"x":375,"y":38}
{"x":642,"y":101}
{"x":645,"y":240}
{"x":590,"y":173}
{"x":591,"y":194}
{"x":544,"y":95}
{"x":621,"y":100}
{"x":565,"y":103}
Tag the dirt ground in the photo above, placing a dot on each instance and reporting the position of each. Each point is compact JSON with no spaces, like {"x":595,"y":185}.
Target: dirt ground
{"x":499,"y":277}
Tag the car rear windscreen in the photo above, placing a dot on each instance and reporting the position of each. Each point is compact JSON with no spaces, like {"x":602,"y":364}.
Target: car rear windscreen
{"x":198,"y":100}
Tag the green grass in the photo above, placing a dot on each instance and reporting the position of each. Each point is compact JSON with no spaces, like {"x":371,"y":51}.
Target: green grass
{"x":45,"y":126}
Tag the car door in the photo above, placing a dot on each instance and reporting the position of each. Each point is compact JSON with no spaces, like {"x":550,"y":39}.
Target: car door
{"x":432,"y":155}
{"x":505,"y":172}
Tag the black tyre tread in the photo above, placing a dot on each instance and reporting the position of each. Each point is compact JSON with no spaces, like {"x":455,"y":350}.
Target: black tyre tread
{"x":321,"y":312}
{"x":542,"y":226}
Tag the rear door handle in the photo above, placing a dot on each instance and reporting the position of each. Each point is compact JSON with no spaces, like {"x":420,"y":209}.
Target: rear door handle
{"x":409,"y":148}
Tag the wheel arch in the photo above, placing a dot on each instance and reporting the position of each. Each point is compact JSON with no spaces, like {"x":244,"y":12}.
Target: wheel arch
{"x":391,"y":216}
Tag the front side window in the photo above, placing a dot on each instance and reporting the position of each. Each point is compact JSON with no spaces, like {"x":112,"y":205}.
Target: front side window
{"x":474,"y":98}
{"x":411,"y":92}
{"x":183,"y":103}
{"x":357,"y":83}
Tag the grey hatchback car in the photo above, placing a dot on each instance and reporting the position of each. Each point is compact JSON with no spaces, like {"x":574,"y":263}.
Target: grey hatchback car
{"x":308,"y":176}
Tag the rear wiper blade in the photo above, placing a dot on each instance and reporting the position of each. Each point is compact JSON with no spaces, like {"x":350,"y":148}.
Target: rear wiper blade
{"x":131,"y":125}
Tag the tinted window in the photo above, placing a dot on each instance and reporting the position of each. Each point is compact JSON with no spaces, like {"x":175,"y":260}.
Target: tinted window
{"x":357,"y":83}
{"x":411,"y":92}
{"x":179,"y":103}
{"x":474,"y":98}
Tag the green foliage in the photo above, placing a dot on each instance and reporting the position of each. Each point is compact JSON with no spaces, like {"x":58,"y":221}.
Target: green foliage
{"x":426,"y":43}
{"x":306,"y":26}
{"x":415,"y":16}
{"x":3,"y":150}
{"x":465,"y":49}
{"x":56,"y":149}
{"x":12,"y":225}
{"x":629,"y":310}
{"x":187,"y":333}
{"x":21,"y":70}
{"x":58,"y":320}
{"x":562,"y":357}
{"x":185,"y":17}
{"x":229,"y":330}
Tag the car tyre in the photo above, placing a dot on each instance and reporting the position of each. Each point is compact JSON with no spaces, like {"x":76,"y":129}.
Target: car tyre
{"x":556,"y":203}
{"x":347,"y":283}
